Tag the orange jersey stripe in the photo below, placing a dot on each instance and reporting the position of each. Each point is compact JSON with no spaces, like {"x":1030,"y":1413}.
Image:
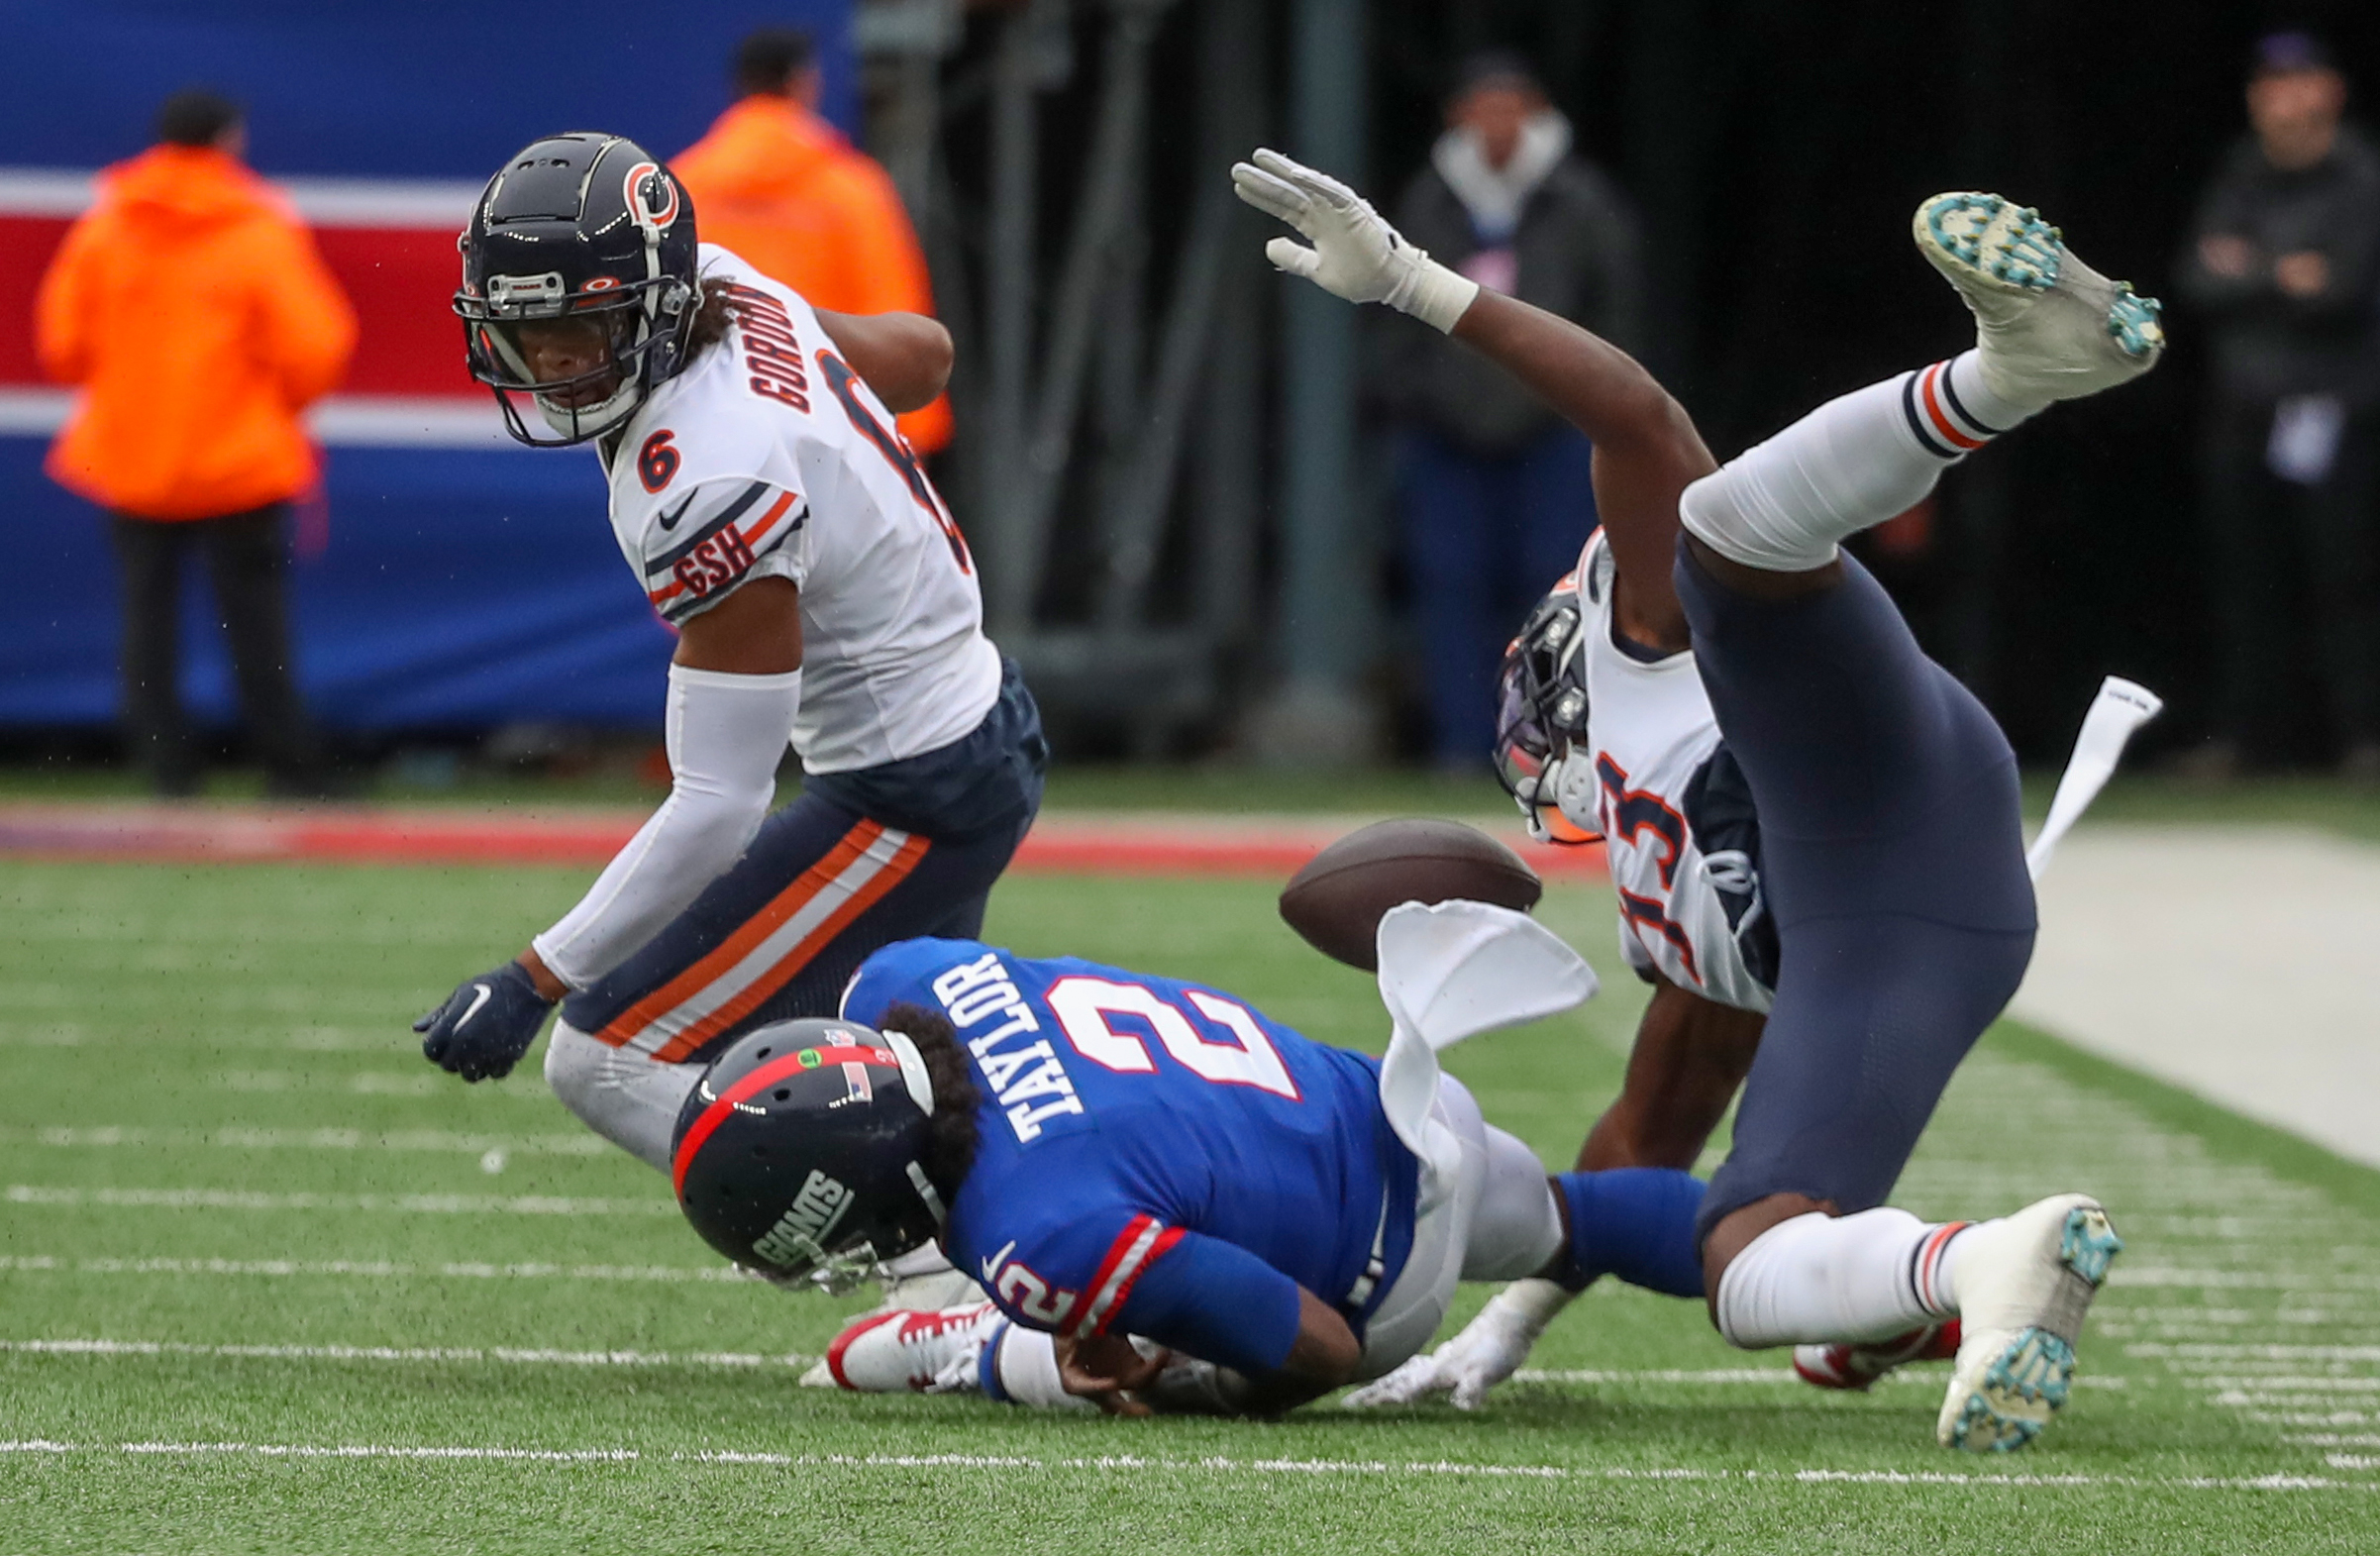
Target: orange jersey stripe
{"x":895,"y":871}
{"x":747,"y":937}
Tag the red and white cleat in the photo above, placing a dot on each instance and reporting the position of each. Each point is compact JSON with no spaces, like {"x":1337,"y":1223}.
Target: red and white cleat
{"x":911,"y":1351}
{"x":1858,"y":1367}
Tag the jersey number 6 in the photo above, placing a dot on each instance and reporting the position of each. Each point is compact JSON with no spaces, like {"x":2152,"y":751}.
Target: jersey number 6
{"x":897,"y":452}
{"x":1083,"y":1006}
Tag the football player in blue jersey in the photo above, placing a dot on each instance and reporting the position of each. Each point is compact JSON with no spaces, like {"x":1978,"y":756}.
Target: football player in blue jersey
{"x":1121,"y":1158}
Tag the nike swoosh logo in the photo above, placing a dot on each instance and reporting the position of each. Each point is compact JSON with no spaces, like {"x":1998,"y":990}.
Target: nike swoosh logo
{"x":484,"y":994}
{"x":668,"y":521}
{"x":992,"y":1266}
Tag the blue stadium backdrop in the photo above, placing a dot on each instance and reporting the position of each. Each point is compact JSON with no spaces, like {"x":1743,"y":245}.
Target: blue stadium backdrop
{"x":446,"y":577}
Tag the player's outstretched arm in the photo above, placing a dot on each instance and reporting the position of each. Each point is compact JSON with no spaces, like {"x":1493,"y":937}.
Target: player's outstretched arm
{"x":1646,"y":449}
{"x":905,"y":358}
{"x":734,"y":687}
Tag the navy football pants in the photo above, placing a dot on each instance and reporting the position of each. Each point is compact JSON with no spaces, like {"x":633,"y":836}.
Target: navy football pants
{"x":1893,"y":859}
{"x":861,"y":860}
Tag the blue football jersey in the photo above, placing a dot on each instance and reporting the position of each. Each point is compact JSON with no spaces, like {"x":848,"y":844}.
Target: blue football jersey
{"x":1155,"y":1157}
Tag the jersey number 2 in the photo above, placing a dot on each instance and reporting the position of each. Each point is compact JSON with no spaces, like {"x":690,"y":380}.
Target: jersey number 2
{"x":897,"y":452}
{"x":1085,"y":1006}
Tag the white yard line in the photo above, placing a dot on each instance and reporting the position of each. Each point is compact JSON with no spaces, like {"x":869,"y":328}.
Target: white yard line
{"x":108,"y":1136}
{"x":369,"y":1269}
{"x":467,"y":1355}
{"x":252,"y":1199}
{"x":1216,"y":1466}
{"x":2229,"y":961}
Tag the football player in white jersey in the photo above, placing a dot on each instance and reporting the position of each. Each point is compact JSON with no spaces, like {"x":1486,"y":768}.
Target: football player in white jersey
{"x":821,"y":594}
{"x":1813,"y":829}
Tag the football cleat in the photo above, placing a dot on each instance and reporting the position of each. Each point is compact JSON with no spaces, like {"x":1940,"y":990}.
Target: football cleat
{"x":2049,"y":327}
{"x":907,"y":1351}
{"x":1857,"y":1367}
{"x":2024,"y":1283}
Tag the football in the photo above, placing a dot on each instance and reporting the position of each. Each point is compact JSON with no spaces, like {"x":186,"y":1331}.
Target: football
{"x":1336,"y":901}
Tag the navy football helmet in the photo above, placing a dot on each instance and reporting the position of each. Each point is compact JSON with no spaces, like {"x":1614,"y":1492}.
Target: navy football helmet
{"x":801,"y":1153}
{"x":1541,"y":710}
{"x":584,"y":227}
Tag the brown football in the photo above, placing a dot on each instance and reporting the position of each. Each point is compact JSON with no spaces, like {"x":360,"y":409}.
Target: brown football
{"x":1336,"y":901}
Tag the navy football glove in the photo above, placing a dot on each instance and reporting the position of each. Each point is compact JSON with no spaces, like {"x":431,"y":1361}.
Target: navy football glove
{"x":486,"y":1025}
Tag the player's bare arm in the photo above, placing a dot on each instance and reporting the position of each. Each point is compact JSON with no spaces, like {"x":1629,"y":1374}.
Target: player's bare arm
{"x":905,"y":358}
{"x":1646,"y":449}
{"x":1690,"y":1056}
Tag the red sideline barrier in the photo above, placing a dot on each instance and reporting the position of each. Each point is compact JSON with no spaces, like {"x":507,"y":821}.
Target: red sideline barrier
{"x":1097,"y":845}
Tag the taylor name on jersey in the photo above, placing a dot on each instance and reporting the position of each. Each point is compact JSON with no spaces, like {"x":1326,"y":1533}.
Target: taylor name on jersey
{"x":1672,"y":809}
{"x":768,"y":456}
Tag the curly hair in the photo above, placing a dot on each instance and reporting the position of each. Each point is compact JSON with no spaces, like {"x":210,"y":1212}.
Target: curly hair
{"x":712,"y":316}
{"x":951,"y":1138}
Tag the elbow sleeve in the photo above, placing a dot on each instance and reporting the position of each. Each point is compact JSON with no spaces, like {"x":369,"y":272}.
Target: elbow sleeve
{"x":726,"y":736}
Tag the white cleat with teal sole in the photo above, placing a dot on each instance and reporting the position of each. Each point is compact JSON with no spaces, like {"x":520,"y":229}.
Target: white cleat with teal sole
{"x":2024,"y":1283}
{"x":2049,"y":327}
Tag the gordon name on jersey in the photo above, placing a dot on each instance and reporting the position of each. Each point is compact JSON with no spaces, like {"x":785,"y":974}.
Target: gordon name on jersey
{"x":1672,"y":809}
{"x":768,"y":456}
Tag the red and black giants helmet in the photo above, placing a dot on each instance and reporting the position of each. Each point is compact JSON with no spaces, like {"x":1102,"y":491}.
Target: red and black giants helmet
{"x":588,"y":228}
{"x":800,"y":1152}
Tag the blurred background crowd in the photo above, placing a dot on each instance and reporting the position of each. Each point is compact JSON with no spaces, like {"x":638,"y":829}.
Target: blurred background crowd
{"x":1218,"y":518}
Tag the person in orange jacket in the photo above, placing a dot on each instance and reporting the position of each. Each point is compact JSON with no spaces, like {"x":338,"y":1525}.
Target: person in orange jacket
{"x":190,"y":306}
{"x":785,"y":191}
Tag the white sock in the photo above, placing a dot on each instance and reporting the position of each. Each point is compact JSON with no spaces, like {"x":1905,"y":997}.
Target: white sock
{"x":1825,"y":1279}
{"x":1783,"y":505}
{"x":1026,"y":1363}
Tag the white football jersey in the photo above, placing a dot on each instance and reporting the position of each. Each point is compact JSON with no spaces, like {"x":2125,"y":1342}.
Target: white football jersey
{"x":1674,"y":817}
{"x":769,"y":458}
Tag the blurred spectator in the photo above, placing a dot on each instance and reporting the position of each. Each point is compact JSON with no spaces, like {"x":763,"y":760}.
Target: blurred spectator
{"x":777,"y":184}
{"x":1494,"y":488}
{"x":191,"y":308}
{"x":2284,"y":262}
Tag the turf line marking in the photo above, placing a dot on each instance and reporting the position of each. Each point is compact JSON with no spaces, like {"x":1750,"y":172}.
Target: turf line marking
{"x":1209,"y":1466}
{"x":250,"y":1200}
{"x":370,"y":1270}
{"x":520,"y":1356}
{"x":108,"y":1135}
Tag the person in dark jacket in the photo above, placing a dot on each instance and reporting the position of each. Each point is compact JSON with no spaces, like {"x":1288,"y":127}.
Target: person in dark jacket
{"x":1494,"y":488}
{"x":2284,"y":264}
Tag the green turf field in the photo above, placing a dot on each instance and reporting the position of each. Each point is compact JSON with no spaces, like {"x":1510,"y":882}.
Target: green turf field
{"x":269,"y":1282}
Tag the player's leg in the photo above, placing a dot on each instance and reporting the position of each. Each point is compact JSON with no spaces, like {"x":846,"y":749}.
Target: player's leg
{"x":1890,"y":835}
{"x":819,"y":889}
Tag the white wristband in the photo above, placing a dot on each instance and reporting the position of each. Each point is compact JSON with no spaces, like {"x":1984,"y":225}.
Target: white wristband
{"x":1432,"y":293}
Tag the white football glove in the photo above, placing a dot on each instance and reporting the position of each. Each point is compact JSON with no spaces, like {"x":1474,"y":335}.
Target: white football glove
{"x":1490,"y":1349}
{"x":1355,"y":254}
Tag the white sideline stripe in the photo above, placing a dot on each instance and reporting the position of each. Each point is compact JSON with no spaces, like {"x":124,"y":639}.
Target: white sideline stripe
{"x":370,"y":1270}
{"x":1205,"y":1466}
{"x":512,"y":1355}
{"x":104,"y":1135}
{"x":2207,"y":1351}
{"x":1750,"y":1375}
{"x":444,"y":204}
{"x":249,"y":1200}
{"x":357,"y":421}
